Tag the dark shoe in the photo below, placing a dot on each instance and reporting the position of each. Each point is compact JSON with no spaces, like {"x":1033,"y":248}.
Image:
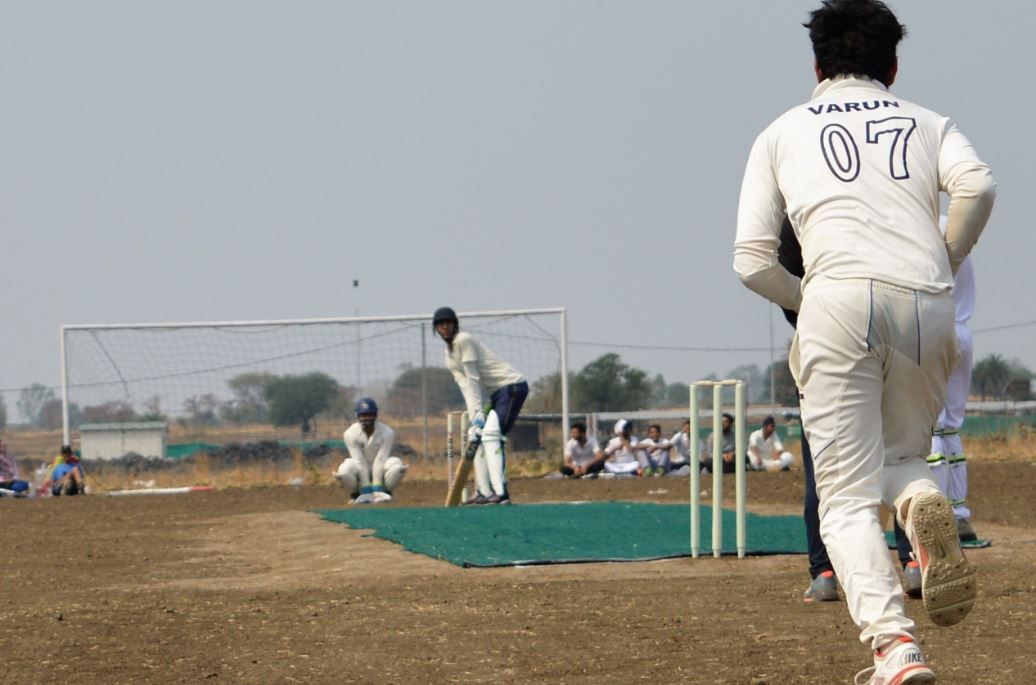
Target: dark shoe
{"x":824,"y":588}
{"x":477,"y":500}
{"x":965,"y":532}
{"x":499,"y":499}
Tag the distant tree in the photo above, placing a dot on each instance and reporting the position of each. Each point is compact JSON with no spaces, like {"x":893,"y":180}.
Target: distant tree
{"x":785,"y":392}
{"x":51,"y":415}
{"x":757,"y":388}
{"x":442,"y":392}
{"x":31,"y":401}
{"x":118,"y":411}
{"x":249,"y":404}
{"x":545,"y":394}
{"x":677,"y":394}
{"x":1019,"y":388}
{"x":608,"y":384}
{"x":203,"y":410}
{"x":342,"y":405}
{"x":658,"y":390}
{"x":153,"y":409}
{"x":299,"y":399}
{"x":990,"y":377}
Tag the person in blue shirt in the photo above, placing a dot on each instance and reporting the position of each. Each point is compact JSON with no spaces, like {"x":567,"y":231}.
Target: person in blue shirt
{"x":66,"y":475}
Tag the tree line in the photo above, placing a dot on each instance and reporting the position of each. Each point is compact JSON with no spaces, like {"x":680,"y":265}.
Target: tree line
{"x":605,"y":384}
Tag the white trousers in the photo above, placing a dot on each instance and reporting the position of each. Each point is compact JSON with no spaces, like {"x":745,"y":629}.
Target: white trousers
{"x":782,"y":461}
{"x":948,"y":461}
{"x":871,"y":361}
{"x":348,"y":474}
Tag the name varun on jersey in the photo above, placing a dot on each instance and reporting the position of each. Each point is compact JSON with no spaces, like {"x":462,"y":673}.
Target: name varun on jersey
{"x":851,"y":106}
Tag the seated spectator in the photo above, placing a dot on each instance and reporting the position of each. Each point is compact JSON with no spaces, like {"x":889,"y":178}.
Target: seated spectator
{"x":621,"y":452}
{"x":653,"y":452}
{"x":9,"y":474}
{"x":727,"y":445}
{"x":765,"y":450}
{"x":680,"y":458}
{"x":66,"y":475}
{"x":583,"y":456}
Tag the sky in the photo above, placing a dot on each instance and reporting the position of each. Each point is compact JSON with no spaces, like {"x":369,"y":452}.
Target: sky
{"x":237,"y":160}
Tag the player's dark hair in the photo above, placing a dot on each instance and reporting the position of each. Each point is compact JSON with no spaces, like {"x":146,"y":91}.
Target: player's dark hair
{"x":855,"y":38}
{"x":656,"y":427}
{"x":580,"y":426}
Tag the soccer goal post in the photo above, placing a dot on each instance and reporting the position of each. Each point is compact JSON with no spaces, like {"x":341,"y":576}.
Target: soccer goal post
{"x":237,"y":381}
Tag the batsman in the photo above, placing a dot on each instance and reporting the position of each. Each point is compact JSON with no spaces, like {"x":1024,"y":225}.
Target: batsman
{"x":479,"y":372}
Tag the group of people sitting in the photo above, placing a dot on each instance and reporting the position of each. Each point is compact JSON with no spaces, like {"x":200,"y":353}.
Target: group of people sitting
{"x":64,"y":475}
{"x":626,"y":455}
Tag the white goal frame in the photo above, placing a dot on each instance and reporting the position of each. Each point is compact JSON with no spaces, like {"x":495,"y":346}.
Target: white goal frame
{"x":560,"y":311}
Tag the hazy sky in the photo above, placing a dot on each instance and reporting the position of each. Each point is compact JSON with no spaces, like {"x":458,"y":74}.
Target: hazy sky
{"x":199,"y":160}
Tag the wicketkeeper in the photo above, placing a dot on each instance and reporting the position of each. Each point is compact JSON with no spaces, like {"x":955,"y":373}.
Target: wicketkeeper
{"x":370,"y":474}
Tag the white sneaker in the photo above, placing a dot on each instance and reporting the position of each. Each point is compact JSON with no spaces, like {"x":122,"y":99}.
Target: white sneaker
{"x":380,"y":497}
{"x":365,"y":498}
{"x":899,"y":663}
{"x":948,"y":584}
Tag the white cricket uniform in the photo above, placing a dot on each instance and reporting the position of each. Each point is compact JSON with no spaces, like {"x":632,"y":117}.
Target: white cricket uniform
{"x":621,"y":459}
{"x":858,"y":172}
{"x":370,"y":461}
{"x":476,"y":369}
{"x":766,"y":454}
{"x":489,"y":372}
{"x":682,"y":442}
{"x":581,"y":455}
{"x":948,"y":461}
{"x":654,"y":454}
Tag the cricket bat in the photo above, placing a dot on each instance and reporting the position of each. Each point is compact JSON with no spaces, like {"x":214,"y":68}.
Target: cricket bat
{"x":460,"y":476}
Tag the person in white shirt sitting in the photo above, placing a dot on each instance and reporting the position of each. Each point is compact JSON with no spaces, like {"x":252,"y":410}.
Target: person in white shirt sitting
{"x":621,"y":452}
{"x":765,"y":450}
{"x":653,"y":452}
{"x":583,"y":455}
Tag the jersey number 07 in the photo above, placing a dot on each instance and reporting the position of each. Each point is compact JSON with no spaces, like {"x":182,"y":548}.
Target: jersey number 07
{"x":843,"y":156}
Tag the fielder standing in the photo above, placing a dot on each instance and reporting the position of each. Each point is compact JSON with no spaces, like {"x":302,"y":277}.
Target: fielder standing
{"x":370,"y":474}
{"x":858,"y":171}
{"x":477,"y":369}
{"x":948,"y":461}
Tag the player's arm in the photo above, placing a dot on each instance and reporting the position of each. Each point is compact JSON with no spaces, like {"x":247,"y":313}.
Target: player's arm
{"x":759,"y":215}
{"x":969,"y":183}
{"x":753,"y":452}
{"x":384,"y":452}
{"x":568,"y":456}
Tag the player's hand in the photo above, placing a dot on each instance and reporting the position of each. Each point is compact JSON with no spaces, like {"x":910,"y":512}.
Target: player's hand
{"x":728,"y":457}
{"x":479,"y":421}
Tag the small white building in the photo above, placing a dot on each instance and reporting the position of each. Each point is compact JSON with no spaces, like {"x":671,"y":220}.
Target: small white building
{"x":112,"y":440}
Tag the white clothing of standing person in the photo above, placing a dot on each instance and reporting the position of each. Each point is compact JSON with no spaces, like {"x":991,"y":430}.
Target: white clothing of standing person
{"x":858,"y":171}
{"x":479,"y":372}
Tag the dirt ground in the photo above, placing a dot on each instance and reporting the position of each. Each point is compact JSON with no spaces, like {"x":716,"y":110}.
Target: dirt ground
{"x":247,"y":586}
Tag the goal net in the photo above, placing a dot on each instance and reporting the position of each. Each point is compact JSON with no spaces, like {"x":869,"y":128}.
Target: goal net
{"x":223,"y":382}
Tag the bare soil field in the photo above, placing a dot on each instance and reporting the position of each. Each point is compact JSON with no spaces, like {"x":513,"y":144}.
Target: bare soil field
{"x":247,"y":586}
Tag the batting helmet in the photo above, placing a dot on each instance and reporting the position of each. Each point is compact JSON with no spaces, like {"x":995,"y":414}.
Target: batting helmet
{"x":444,"y":314}
{"x":366,"y":405}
